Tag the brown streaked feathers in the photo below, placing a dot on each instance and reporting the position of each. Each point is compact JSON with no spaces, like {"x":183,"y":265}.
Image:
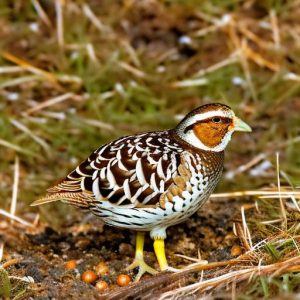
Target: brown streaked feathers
{"x":129,"y":171}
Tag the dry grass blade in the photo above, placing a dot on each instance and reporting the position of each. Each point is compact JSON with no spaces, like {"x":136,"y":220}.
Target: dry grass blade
{"x":282,"y":204}
{"x":260,"y":193}
{"x":15,"y":147}
{"x":41,"y":13}
{"x":246,"y":228}
{"x":1,"y":250}
{"x":91,"y":53}
{"x":253,"y":37}
{"x":233,"y":276}
{"x":99,"y":124}
{"x":189,"y":83}
{"x":247,"y":166}
{"x":14,"y":198}
{"x":19,"y":81}
{"x":26,"y":130}
{"x":27,"y":66}
{"x":232,"y":59}
{"x":136,"y":72}
{"x":59,"y":22}
{"x":259,"y":59}
{"x":15,"y":218}
{"x":11,"y":69}
{"x":93,"y":18}
{"x":275,"y":29}
{"x":49,"y":103}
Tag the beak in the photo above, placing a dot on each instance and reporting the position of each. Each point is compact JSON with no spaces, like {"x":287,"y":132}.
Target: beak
{"x":240,"y":125}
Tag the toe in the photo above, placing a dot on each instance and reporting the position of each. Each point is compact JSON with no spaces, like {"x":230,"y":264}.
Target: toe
{"x":143,"y":268}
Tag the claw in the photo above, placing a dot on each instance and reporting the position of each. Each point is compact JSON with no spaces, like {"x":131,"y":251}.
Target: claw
{"x":143,"y":268}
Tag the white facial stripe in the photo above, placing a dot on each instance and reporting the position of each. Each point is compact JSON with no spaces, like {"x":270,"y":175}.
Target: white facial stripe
{"x":210,"y":114}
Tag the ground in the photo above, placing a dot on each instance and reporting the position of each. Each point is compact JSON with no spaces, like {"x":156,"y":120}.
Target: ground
{"x":43,"y":254}
{"x":77,"y":74}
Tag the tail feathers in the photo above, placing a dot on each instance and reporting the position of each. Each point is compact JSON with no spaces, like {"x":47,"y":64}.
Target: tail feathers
{"x":77,"y":199}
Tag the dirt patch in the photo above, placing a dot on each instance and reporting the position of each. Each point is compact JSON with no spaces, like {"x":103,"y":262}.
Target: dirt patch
{"x":42,"y":255}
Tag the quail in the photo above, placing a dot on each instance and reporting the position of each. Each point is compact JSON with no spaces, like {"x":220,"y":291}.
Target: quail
{"x":150,"y":181}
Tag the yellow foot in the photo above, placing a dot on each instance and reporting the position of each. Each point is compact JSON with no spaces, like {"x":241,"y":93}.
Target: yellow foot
{"x":143,"y":268}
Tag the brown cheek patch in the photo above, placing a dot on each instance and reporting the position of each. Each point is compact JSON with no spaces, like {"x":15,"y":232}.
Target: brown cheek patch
{"x":210,"y":134}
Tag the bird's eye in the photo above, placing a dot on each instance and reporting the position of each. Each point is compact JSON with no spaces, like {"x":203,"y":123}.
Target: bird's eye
{"x":216,"y":120}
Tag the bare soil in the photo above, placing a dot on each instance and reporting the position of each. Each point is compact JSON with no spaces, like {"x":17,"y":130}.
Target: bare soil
{"x":43,"y":253}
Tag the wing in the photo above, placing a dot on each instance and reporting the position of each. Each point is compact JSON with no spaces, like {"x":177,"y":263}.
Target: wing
{"x":135,"y":171}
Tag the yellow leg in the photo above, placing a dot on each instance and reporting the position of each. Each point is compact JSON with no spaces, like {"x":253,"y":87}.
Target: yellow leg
{"x":139,"y":245}
{"x":139,"y":258}
{"x":159,"y":249}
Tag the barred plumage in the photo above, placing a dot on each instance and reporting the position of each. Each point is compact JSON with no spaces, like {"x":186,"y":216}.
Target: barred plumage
{"x":150,"y":181}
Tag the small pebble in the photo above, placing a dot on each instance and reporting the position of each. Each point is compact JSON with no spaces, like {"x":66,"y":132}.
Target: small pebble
{"x":83,"y":243}
{"x":101,"y":268}
{"x":236,"y":250}
{"x":71,"y":264}
{"x":123,"y":280}
{"x":89,"y":276}
{"x":125,"y":248}
{"x":101,"y":286}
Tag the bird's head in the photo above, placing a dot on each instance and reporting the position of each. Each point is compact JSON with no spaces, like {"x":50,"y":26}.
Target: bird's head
{"x":209,"y":127}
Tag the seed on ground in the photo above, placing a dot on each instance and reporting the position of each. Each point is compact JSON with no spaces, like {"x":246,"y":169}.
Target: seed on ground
{"x":123,"y":280}
{"x":236,"y":250}
{"x":71,"y":264}
{"x":101,"y":285}
{"x":89,"y":276}
{"x":101,"y":269}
